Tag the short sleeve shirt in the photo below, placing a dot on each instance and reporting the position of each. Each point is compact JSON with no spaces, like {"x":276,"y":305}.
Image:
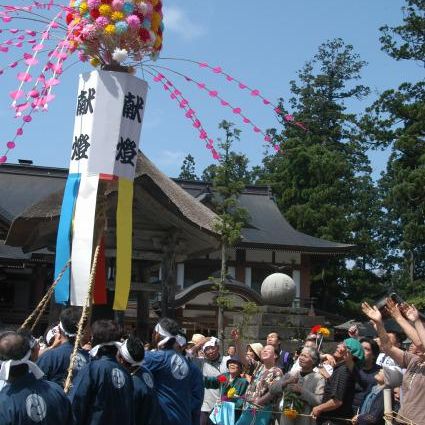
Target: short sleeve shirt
{"x":340,"y":386}
{"x":413,"y":388}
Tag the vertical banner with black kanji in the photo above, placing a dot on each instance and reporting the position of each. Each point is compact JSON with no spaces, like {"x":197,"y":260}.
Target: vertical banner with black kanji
{"x":108,"y":120}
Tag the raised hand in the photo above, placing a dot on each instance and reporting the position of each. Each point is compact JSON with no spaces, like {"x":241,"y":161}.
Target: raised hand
{"x":393,"y":309}
{"x":412,"y":313}
{"x":372,"y":312}
{"x":235,"y":334}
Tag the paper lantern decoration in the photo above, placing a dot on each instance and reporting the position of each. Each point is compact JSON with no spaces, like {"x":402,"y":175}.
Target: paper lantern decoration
{"x":108,"y":121}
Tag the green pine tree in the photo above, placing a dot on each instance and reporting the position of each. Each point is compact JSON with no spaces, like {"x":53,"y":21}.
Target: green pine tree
{"x":397,"y":120}
{"x":321,"y":179}
{"x":188,"y":169}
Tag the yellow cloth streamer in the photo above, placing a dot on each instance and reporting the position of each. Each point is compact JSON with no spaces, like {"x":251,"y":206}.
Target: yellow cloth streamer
{"x":124,"y":243}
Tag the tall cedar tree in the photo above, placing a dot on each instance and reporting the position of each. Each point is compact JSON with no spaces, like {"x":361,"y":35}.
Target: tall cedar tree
{"x":227,"y":186}
{"x":397,"y":120}
{"x":321,"y":177}
{"x":187,"y":170}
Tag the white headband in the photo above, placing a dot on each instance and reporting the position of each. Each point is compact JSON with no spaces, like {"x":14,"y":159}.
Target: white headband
{"x":94,"y":350}
{"x":51,"y":334}
{"x":165,"y":334}
{"x":126,"y":354}
{"x":6,"y":365}
{"x":66,"y":333}
{"x":212,"y":342}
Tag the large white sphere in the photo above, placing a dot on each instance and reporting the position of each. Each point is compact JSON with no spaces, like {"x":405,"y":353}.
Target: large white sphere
{"x":278,"y":289}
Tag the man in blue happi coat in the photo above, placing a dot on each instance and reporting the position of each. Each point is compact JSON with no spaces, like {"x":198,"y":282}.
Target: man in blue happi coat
{"x":102,"y":393}
{"x":27,"y":398}
{"x":55,"y":362}
{"x":171,"y":373}
{"x":130,"y":355}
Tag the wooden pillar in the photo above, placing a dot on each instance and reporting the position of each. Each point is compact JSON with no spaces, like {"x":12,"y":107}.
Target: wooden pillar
{"x":168,"y":276}
{"x":305,"y":276}
{"x":142,"y":321}
{"x":240,"y":265}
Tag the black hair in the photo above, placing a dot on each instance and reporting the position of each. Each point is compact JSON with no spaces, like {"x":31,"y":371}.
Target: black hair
{"x":13,"y":346}
{"x":104,"y":331}
{"x":172,"y":327}
{"x":231,"y":345}
{"x":26,"y":333}
{"x":169,"y":325}
{"x":373,"y":345}
{"x":70,"y":318}
{"x":135,"y":348}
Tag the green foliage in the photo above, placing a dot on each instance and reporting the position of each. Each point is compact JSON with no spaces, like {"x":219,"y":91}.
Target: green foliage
{"x":228,"y":184}
{"x":407,"y":41}
{"x":188,"y":169}
{"x":396,"y":120}
{"x":322,"y":180}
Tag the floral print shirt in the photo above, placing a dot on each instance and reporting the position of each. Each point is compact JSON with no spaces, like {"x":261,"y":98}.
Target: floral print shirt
{"x":262,"y":380}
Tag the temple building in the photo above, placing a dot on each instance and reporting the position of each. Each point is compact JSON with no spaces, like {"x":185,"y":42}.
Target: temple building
{"x":175,"y":246}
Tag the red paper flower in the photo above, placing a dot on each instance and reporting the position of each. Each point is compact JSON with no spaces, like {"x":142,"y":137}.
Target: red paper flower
{"x":315,"y":329}
{"x":222,"y":379}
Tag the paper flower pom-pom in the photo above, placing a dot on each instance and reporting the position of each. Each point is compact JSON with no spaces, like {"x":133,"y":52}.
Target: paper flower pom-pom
{"x":109,"y":29}
{"x":315,"y":329}
{"x":143,"y":8}
{"x":146,"y":23}
{"x":117,"y":4}
{"x":119,"y":55}
{"x":93,"y":4}
{"x":69,"y":18}
{"x":102,"y":21}
{"x":94,"y":61}
{"x":94,"y":13}
{"x":121,"y":27}
{"x":83,"y":8}
{"x":133,"y":22}
{"x":128,"y":8}
{"x":82,"y":56}
{"x":231,"y":393}
{"x":222,"y":379}
{"x":117,"y":16}
{"x":105,"y":9}
{"x":158,"y":42}
{"x":144,"y":35}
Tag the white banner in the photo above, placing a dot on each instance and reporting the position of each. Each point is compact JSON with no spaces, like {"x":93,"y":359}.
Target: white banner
{"x":109,"y":116}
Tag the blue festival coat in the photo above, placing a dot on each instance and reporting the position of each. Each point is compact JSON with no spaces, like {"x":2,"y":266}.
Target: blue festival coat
{"x":146,"y":403}
{"x":102,"y":394}
{"x":55,"y":362}
{"x":173,"y":384}
{"x":29,"y":401}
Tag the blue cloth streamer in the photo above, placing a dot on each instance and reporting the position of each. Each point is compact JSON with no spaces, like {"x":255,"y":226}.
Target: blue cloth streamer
{"x":223,"y":413}
{"x":63,"y":241}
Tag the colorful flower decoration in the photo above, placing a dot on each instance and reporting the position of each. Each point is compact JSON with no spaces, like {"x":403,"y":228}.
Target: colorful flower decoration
{"x":231,"y":392}
{"x":222,"y":379}
{"x":290,"y":413}
{"x":101,"y":28}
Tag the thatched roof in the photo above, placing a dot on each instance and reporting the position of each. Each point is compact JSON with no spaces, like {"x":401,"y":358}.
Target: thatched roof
{"x":36,"y":226}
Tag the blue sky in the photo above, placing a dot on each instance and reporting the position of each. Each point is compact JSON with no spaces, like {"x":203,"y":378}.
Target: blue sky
{"x":261,"y":43}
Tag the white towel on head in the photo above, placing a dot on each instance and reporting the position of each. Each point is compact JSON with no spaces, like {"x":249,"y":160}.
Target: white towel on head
{"x":7,"y":364}
{"x":212,"y":342}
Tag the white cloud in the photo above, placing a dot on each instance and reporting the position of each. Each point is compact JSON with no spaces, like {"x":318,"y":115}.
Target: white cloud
{"x":177,"y":21}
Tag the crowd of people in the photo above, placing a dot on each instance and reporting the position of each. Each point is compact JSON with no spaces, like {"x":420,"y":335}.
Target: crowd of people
{"x":117,"y":380}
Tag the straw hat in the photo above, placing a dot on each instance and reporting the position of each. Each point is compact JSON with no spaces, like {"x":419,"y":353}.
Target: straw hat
{"x":256,"y":347}
{"x":196,"y":338}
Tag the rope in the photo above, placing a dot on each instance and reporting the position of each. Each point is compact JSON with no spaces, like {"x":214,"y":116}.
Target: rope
{"x":392,"y":415}
{"x":84,"y":315}
{"x":41,"y":307}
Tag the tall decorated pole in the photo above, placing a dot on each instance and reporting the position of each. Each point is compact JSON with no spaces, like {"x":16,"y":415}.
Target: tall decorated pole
{"x":108,"y":120}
